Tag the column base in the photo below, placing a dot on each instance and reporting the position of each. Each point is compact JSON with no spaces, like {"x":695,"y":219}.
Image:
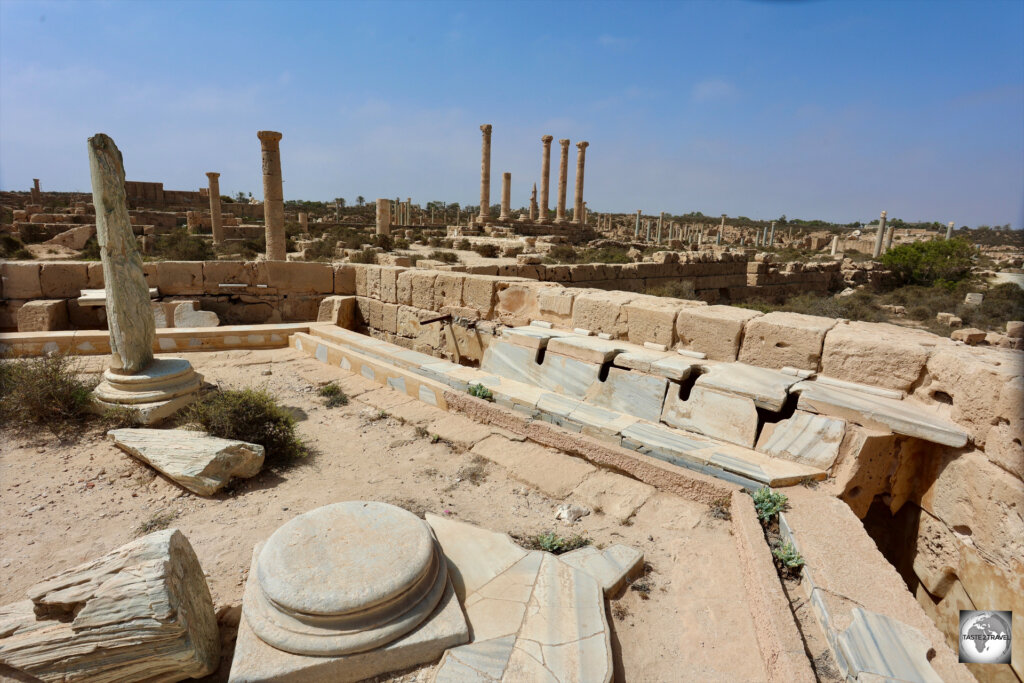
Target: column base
{"x":163,"y":388}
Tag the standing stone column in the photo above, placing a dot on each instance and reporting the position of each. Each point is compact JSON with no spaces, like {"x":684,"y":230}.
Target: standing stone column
{"x":383,"y":216}
{"x":304,"y":221}
{"x":661,"y":221}
{"x":192,"y":222}
{"x":878,"y":237}
{"x":581,"y":157}
{"x":506,"y":196}
{"x":37,"y":195}
{"x":718,"y":240}
{"x":647,"y":226}
{"x":888,"y":237}
{"x":485,"y":174}
{"x":636,"y":229}
{"x":949,"y":230}
{"x":216,"y":222}
{"x":722,"y":228}
{"x":273,"y":195}
{"x":771,"y":237}
{"x":835,"y":245}
{"x":408,"y":211}
{"x":583,"y":215}
{"x":563,"y":174}
{"x":545,"y":176}
{"x":533,"y":204}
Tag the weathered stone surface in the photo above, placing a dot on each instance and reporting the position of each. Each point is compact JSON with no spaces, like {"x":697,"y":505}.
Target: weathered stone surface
{"x":187,"y":314}
{"x":612,"y":567}
{"x":631,"y":393}
{"x":652,"y":319}
{"x":547,"y":470}
{"x":201,"y":463}
{"x":804,"y":438}
{"x":63,"y":280}
{"x":766,"y":388}
{"x":878,"y":354}
{"x":615,"y":495}
{"x":140,"y":612}
{"x":968,"y":335}
{"x":177,"y":278}
{"x":131,"y":324}
{"x":936,"y":557}
{"x":601,"y":311}
{"x":338,"y":310}
{"x":474,"y":555}
{"x":779,"y":339}
{"x":20,"y":280}
{"x":43,"y":315}
{"x":165,"y":386}
{"x":713,"y":330}
{"x":518,"y":302}
{"x":722,"y":416}
{"x":588,"y":349}
{"x":878,"y":645}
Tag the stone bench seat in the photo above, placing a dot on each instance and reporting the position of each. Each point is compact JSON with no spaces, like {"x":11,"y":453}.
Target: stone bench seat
{"x":98,"y":297}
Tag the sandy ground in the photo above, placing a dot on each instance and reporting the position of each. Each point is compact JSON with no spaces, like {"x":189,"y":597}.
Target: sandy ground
{"x":63,"y":504}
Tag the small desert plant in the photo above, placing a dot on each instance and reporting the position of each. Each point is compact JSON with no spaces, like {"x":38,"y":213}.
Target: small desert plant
{"x":157,"y":522}
{"x":334,"y":395}
{"x":555,"y":544}
{"x":248,"y":415}
{"x":44,"y":391}
{"x":463,"y":245}
{"x":720,"y":508}
{"x":511,"y":252}
{"x":179,"y":245}
{"x":769,"y":504}
{"x":364,"y":256}
{"x":384,"y":242}
{"x":486,"y":250}
{"x":788,"y":556}
{"x":444,"y":256}
{"x":480,"y":391}
{"x":12,"y":248}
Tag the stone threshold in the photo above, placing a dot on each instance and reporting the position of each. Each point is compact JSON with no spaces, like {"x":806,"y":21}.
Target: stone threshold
{"x":168,"y":340}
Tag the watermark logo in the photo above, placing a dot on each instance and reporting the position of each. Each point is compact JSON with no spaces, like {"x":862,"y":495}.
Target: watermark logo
{"x":985,"y":637}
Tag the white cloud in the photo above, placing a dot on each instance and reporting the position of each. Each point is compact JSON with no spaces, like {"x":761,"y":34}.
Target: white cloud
{"x":713,"y":90}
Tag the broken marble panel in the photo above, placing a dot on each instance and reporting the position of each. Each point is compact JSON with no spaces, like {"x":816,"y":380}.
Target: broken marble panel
{"x":877,"y":645}
{"x":530,"y":337}
{"x":767,"y":388}
{"x":588,"y":349}
{"x":633,"y":393}
{"x":727,"y":417}
{"x":804,"y":438}
{"x":902,"y":417}
{"x":611,"y":567}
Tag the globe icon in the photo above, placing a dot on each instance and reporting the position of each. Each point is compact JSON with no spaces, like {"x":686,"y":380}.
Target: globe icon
{"x":985,"y":638}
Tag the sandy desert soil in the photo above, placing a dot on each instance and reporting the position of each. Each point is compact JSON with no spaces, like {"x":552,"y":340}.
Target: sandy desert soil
{"x":65,"y":503}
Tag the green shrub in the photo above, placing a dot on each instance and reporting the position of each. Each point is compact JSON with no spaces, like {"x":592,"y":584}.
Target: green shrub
{"x":180,"y":245}
{"x":463,"y":245}
{"x":444,"y":256}
{"x":788,"y":556}
{"x":44,"y":392}
{"x":487,"y":250}
{"x":334,"y":395}
{"x":553,"y":543}
{"x":251,"y":415}
{"x":769,"y":504}
{"x":383,"y":242}
{"x":12,"y":248}
{"x":679,"y":289}
{"x":511,"y":252}
{"x":401,"y":243}
{"x":480,"y":391}
{"x":365,"y":256}
{"x":91,"y":250}
{"x":943,"y":262}
{"x":561,"y":253}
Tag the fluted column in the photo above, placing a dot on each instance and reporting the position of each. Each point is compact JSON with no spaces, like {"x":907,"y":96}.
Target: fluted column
{"x":581,"y":157}
{"x":506,"y":196}
{"x":879,"y":236}
{"x":216,"y":223}
{"x":273,"y":195}
{"x":771,"y":237}
{"x":485,"y":174}
{"x":636,"y":229}
{"x":563,"y":174}
{"x":949,"y":230}
{"x":383,"y":216}
{"x":545,"y":176}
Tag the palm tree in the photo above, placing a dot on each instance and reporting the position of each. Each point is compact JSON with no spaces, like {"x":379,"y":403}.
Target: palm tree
{"x":360,"y":201}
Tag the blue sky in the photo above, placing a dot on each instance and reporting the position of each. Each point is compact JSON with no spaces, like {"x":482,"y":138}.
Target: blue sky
{"x":832,"y":110}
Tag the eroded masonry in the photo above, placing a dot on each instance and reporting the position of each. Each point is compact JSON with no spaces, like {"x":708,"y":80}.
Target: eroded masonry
{"x":898,"y":452}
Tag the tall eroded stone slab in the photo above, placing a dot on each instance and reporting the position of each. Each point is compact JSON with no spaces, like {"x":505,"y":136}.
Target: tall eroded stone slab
{"x":129,"y":316}
{"x":879,"y":236}
{"x":273,"y":195}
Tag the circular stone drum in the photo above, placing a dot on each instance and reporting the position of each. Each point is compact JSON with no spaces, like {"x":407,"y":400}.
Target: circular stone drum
{"x":345,"y":578}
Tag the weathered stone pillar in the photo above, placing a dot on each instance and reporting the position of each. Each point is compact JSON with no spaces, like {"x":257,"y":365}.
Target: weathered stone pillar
{"x":506,"y":197}
{"x":563,"y":174}
{"x":581,"y":157}
{"x":37,"y":195}
{"x":949,"y":230}
{"x":718,"y":240}
{"x":408,"y":211}
{"x":216,"y":222}
{"x":835,"y":245}
{"x":647,"y":225}
{"x":888,"y":237}
{"x":192,"y":222}
{"x":545,"y":176}
{"x":722,"y":228}
{"x":583,"y":215}
{"x":879,"y":236}
{"x":771,"y":237}
{"x":304,"y":221}
{"x":661,"y":221}
{"x":383,"y":216}
{"x":273,"y":195}
{"x":485,"y":174}
{"x":533,"y":203}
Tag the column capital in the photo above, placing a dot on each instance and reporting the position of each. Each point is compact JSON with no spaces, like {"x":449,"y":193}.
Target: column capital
{"x":582,"y":145}
{"x":546,"y":139}
{"x":486,"y":129}
{"x":212,"y":175}
{"x":269,"y":135}
{"x":884,"y":214}
{"x":564,"y":143}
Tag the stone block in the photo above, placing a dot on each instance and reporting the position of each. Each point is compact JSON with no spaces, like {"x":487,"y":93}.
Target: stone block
{"x":611,"y":567}
{"x":879,"y":354}
{"x":556,"y":306}
{"x":631,"y":393}
{"x":601,"y":311}
{"x":448,"y":291}
{"x":344,"y":278}
{"x":706,"y":411}
{"x":63,"y":280}
{"x":389,"y":318}
{"x":422,"y":286}
{"x":478,"y":291}
{"x":968,"y":335}
{"x":713,"y":330}
{"x":652,"y":319}
{"x":187,"y":314}
{"x":216,"y":273}
{"x":614,"y":495}
{"x":21,"y":280}
{"x":389,"y":284}
{"x":779,"y":339}
{"x":299,"y":277}
{"x":338,"y":310}
{"x":43,"y":315}
{"x":180,"y":278}
{"x":547,"y":470}
{"x":518,"y":302}
{"x":804,"y":438}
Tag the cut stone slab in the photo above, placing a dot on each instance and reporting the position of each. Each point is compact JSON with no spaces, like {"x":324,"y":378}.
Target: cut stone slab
{"x":201,"y":463}
{"x":460,"y":431}
{"x":549,"y":471}
{"x":255,"y":661}
{"x":633,"y":393}
{"x":565,"y":375}
{"x":876,"y":411}
{"x":140,"y":612}
{"x":719,"y":415}
{"x":188,"y":315}
{"x":878,"y":645}
{"x":615,"y":495}
{"x":640,"y":360}
{"x":531,"y":337}
{"x":587,"y":349}
{"x":804,"y":438}
{"x":612,"y":567}
{"x":767,"y":388}
{"x":474,"y":555}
